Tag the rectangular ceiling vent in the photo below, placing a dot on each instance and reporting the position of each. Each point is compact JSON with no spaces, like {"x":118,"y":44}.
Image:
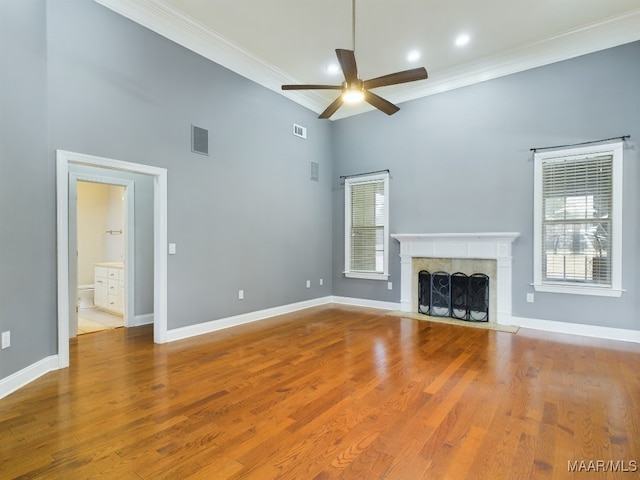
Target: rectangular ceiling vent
{"x":299,"y":131}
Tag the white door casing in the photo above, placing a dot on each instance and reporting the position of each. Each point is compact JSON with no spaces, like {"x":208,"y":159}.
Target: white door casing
{"x":63,"y":160}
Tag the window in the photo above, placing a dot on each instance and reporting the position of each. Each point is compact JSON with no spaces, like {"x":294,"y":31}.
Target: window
{"x":366,"y":227}
{"x":578,"y":220}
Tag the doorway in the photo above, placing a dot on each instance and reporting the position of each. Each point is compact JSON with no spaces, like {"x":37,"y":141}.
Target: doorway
{"x":102,"y":256}
{"x":100,"y":220}
{"x":66,"y":181}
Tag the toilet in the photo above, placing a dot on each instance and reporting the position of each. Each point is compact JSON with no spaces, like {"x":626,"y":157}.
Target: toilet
{"x":85,"y":296}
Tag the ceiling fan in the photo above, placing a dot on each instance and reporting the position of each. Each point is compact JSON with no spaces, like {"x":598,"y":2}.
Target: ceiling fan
{"x":353,"y":88}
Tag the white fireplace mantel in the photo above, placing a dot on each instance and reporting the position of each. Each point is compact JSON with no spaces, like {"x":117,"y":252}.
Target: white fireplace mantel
{"x":484,"y":245}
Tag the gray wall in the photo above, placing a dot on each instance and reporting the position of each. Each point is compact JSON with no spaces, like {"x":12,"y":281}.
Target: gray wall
{"x":245,"y":217}
{"x":460,"y":162}
{"x":27,"y":190}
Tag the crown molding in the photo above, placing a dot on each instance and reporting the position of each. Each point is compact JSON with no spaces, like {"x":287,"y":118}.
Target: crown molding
{"x":581,"y":41}
{"x":167,"y":21}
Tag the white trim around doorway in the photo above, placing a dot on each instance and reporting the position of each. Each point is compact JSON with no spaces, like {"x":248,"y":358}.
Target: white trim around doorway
{"x":63,"y":159}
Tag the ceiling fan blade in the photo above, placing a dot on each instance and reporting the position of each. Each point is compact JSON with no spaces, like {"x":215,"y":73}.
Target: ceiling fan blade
{"x":396,"y":78}
{"x":380,"y":103}
{"x":331,"y":109}
{"x":311,"y":87}
{"x":347,"y":61}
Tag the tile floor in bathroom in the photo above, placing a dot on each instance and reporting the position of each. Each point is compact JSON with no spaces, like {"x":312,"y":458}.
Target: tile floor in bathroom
{"x":95,"y":320}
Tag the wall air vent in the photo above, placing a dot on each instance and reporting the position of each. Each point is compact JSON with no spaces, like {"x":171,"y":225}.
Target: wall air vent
{"x":299,"y":131}
{"x":199,"y":140}
{"x":315,"y":171}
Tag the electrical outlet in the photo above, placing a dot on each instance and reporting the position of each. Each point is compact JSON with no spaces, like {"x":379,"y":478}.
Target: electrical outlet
{"x":172,"y":249}
{"x":6,"y":339}
{"x":321,"y":282}
{"x":530,"y":297}
{"x":240,"y":294}
{"x":308,"y":283}
{"x":389,"y":285}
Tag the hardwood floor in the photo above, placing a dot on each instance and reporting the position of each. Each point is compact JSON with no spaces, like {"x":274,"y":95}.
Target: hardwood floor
{"x":330,"y":392}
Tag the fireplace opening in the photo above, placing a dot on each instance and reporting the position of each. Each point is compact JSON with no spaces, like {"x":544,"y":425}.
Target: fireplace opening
{"x":457,"y":295}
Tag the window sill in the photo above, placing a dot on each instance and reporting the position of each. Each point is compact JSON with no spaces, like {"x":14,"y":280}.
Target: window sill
{"x":579,"y":290}
{"x":367,"y":276}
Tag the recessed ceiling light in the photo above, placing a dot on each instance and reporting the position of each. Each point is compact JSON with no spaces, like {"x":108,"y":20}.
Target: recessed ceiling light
{"x":333,"y":68}
{"x":462,"y":39}
{"x":413,"y":55}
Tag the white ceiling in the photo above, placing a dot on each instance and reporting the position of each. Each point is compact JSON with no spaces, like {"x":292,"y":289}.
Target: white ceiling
{"x":273,"y":42}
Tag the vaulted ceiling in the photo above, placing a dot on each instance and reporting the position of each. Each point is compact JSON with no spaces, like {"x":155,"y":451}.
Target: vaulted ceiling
{"x":275,"y":42}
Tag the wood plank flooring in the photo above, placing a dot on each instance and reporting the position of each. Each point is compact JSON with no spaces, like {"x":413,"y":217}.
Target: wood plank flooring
{"x":330,"y":392}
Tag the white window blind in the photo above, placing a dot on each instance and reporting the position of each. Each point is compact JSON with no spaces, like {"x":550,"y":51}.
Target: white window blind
{"x":577,"y":205}
{"x":578,"y":220}
{"x":366,"y":228}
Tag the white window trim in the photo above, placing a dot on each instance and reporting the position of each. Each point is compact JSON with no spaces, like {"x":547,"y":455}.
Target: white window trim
{"x":615,"y":290}
{"x":347,"y":227}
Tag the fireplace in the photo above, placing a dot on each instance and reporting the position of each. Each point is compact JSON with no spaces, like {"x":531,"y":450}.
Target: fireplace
{"x":468,"y":253}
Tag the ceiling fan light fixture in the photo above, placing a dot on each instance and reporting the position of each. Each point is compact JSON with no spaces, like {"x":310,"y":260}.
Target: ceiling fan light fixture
{"x":353,"y":93}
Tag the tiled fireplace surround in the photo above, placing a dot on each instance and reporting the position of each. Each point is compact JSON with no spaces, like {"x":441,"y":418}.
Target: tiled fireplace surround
{"x":466,"y":252}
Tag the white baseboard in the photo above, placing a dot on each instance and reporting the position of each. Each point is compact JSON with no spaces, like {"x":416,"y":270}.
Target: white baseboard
{"x":595,"y":331}
{"x":142,"y":320}
{"x":214,"y":325}
{"x":17,"y":380}
{"x":363,"y":302}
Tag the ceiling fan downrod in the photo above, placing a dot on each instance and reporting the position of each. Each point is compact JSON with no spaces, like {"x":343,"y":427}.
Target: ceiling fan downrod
{"x":353,"y":24}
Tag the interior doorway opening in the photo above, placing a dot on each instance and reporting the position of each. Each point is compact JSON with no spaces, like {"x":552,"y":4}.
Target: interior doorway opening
{"x":102,"y":258}
{"x":67,"y":179}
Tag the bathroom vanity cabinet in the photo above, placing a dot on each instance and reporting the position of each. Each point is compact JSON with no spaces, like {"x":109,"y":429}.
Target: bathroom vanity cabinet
{"x":109,"y":287}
